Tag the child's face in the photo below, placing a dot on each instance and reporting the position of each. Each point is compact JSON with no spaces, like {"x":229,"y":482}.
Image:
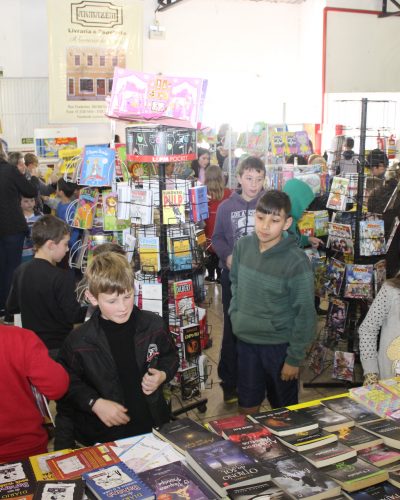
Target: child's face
{"x":58,"y":250}
{"x":269,"y":227}
{"x":114,"y":306}
{"x":27,"y":204}
{"x":252,"y":183}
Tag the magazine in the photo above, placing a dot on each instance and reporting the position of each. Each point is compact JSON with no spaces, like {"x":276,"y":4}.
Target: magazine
{"x":318,"y":354}
{"x":372,"y":237}
{"x":340,"y":238}
{"x":343,"y":365}
{"x":336,"y":317}
{"x":334,"y":276}
{"x":379,"y":275}
{"x":338,"y":194}
{"x":358,"y":281}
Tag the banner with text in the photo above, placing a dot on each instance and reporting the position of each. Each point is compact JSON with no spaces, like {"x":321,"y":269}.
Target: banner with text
{"x":87,"y":40}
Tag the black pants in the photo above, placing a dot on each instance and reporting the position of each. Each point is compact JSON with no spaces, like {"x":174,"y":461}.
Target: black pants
{"x":10,"y":258}
{"x":212,"y":265}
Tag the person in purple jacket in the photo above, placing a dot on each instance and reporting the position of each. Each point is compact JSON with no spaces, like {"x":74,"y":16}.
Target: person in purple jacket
{"x":235,"y":218}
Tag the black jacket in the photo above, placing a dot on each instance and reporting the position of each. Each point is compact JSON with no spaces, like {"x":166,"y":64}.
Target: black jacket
{"x":87,"y":357}
{"x":12,"y":185}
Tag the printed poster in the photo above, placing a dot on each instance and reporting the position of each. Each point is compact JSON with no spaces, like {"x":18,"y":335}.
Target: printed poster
{"x":87,"y":41}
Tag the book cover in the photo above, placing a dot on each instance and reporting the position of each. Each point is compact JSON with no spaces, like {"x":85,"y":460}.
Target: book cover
{"x":372,"y":237}
{"x":338,"y":194}
{"x":329,"y":454}
{"x":350,"y":409}
{"x":336,"y":318}
{"x":388,"y":430}
{"x":302,"y":480}
{"x":141,"y":207}
{"x":173,"y":205}
{"x":379,"y":455}
{"x":283,"y":421}
{"x":321,"y":223}
{"x":190,"y":336}
{"x":308,"y":440}
{"x":358,"y":438}
{"x":95,"y":240}
{"x":383,"y":491}
{"x":278,"y":143}
{"x":198,"y":203}
{"x":176,"y":481}
{"x":59,"y":490}
{"x":117,"y":481}
{"x":149,"y":254}
{"x":16,"y":480}
{"x":257,"y":441}
{"x":76,"y":463}
{"x":121,"y":169}
{"x":306,"y":224}
{"x":358,"y":281}
{"x":392,"y":384}
{"x":223,"y":464}
{"x":265,"y":490}
{"x":326,"y":418}
{"x":317,"y":357}
{"x":303,"y":143}
{"x":190,"y":382}
{"x":110,"y":220}
{"x":98,"y":166}
{"x":355,"y":474}
{"x":39,"y":464}
{"x":180,"y":253}
{"x":183,"y":297}
{"x":377,"y":399}
{"x":85,"y":209}
{"x":222,"y":424}
{"x":340,"y":238}
{"x":343,"y":365}
{"x":379,"y":275}
{"x":334,"y":276}
{"x":185,"y":434}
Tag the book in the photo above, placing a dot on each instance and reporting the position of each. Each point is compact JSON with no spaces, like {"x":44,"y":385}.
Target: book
{"x":303,"y":441}
{"x":358,"y":438}
{"x":224,"y":465}
{"x":328,"y":419}
{"x":110,"y":220}
{"x":392,"y":384}
{"x":388,"y":430}
{"x":336,"y":317}
{"x":59,"y":490}
{"x":317,"y":356}
{"x":372,"y":237}
{"x":306,"y":224}
{"x":198,"y":203}
{"x":329,"y":454}
{"x":303,"y":143}
{"x":379,"y":275}
{"x":141,"y":211}
{"x":40,"y":467}
{"x":301,"y":480}
{"x":376,"y":398}
{"x":284,"y":422}
{"x":190,"y":381}
{"x":76,"y":463}
{"x":379,"y":455}
{"x":16,"y":480}
{"x":394,"y":478}
{"x":334,"y":276}
{"x":222,"y":424}
{"x":176,"y":481}
{"x":149,"y":254}
{"x":183,"y":297}
{"x":179,"y":253}
{"x":266,"y":490}
{"x":340,"y":238}
{"x":117,"y":481}
{"x":173,"y":205}
{"x":383,"y":491}
{"x":355,"y":474}
{"x":321,"y":223}
{"x":350,"y":409}
{"x":190,"y":336}
{"x":338,"y":194}
{"x":185,"y":434}
{"x":257,"y":441}
{"x":98,"y":166}
{"x":343,"y":365}
{"x":358,"y":281}
{"x":144,"y":452}
{"x":85,"y":208}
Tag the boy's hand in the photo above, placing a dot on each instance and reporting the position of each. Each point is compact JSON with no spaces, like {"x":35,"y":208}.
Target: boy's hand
{"x":152,"y":380}
{"x":110,"y":412}
{"x":228,"y":262}
{"x":289,"y":372}
{"x":315,"y":242}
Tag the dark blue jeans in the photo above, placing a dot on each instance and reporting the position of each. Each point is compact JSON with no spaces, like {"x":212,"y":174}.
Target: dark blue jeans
{"x":260,"y":375}
{"x":10,"y":258}
{"x":227,"y":366}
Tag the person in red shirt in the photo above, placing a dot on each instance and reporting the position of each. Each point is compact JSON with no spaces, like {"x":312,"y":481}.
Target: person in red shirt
{"x":24,"y":360}
{"x":217,"y":193}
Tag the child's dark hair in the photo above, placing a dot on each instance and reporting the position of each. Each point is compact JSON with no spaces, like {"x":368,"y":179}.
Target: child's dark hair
{"x":300,"y":160}
{"x":48,"y":228}
{"x":251,"y":163}
{"x":376,"y":157}
{"x":273,"y":201}
{"x":30,"y":158}
{"x":68,"y":188}
{"x":349,"y":142}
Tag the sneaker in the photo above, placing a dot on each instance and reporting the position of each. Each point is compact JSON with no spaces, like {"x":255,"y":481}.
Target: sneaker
{"x":230,"y":396}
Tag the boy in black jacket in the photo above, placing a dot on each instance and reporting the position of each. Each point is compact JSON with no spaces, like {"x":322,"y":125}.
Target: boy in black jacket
{"x":118,"y":361}
{"x":43,"y":293}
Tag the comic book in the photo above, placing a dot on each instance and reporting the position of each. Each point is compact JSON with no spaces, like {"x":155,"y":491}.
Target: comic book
{"x":343,"y":365}
{"x":372,"y":237}
{"x":338,"y":194}
{"x":379,"y":275}
{"x":335,"y":272}
{"x":306,"y":224}
{"x":318,"y":354}
{"x":336,"y":317}
{"x":358,"y":281}
{"x":340,"y":238}
{"x":321,"y":221}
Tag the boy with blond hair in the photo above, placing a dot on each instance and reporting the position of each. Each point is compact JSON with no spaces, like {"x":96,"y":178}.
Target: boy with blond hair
{"x":118,"y":362}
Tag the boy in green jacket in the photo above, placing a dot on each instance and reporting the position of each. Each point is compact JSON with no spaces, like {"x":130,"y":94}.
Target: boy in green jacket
{"x":272,"y":308}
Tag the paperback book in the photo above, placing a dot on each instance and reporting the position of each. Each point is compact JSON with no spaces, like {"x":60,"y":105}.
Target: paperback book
{"x":141,"y":207}
{"x":265,"y":490}
{"x":328,"y":419}
{"x":350,"y":409}
{"x":338,"y":194}
{"x":98,"y":166}
{"x":379,"y":455}
{"x":308,"y":440}
{"x":392,"y":384}
{"x":340,"y":239}
{"x":149,"y":254}
{"x":284,"y":422}
{"x":222,"y":424}
{"x":321,"y":223}
{"x":39,"y":464}
{"x":110,"y":220}
{"x":190,"y":336}
{"x":386,"y":429}
{"x":376,"y":398}
{"x":358,"y":438}
{"x":358,"y":281}
{"x":183,"y":297}
{"x":198,"y":203}
{"x":190,"y":382}
{"x":185,"y":434}
{"x":224,"y":465}
{"x":334,"y":276}
{"x":372,"y":237}
{"x":383,"y":491}
{"x":16,"y":480}
{"x":85,"y":208}
{"x":343,"y":365}
{"x":117,"y":481}
{"x":317,"y":357}
{"x":379,"y":275}
{"x":173,"y":204}
{"x":329,"y":454}
{"x":336,"y":318}
{"x":179,"y":253}
{"x":59,"y":490}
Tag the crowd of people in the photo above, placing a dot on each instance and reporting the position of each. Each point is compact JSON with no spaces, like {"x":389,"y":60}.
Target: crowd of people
{"x":107,"y":374}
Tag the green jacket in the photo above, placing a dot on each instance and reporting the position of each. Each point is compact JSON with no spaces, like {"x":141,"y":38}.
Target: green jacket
{"x":301,"y":196}
{"x":273,"y":296}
